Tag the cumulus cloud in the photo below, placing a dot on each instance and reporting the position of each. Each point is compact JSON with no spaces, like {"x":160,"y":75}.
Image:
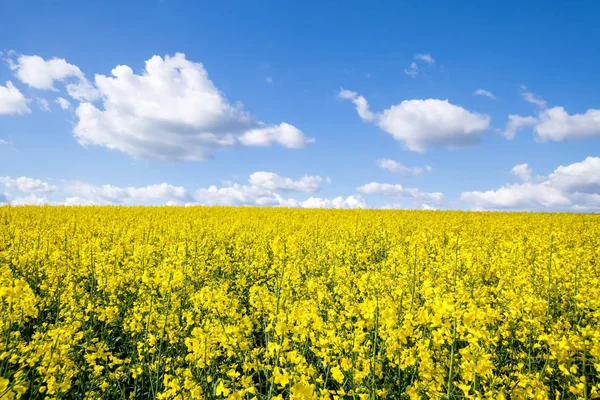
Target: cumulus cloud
{"x":398,"y":191}
{"x":172,"y":111}
{"x":581,"y":176}
{"x":30,"y":199}
{"x":424,"y":124}
{"x":398,"y":168}
{"x":42,"y":74}
{"x":522,"y":171}
{"x":571,"y":187}
{"x":557,"y":125}
{"x":63,"y":103}
{"x":354,"y":201}
{"x":109,"y":194}
{"x":484,"y":93}
{"x":12,"y":101}
{"x":27,"y":185}
{"x":272,"y":181}
{"x":263,"y":190}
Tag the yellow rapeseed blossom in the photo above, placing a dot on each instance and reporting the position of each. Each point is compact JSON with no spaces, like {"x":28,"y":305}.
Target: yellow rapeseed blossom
{"x":275,"y":303}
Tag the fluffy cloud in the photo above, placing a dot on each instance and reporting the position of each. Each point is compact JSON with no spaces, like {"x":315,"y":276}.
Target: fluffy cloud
{"x":556,"y":124}
{"x":27,"y":185}
{"x":398,"y":191}
{"x":63,"y":103}
{"x":31,"y":199}
{"x":42,"y":74}
{"x":354,"y":201}
{"x":12,"y":101}
{"x":424,"y":124}
{"x":398,"y":168}
{"x":172,"y":111}
{"x":85,"y":193}
{"x":582,"y":176}
{"x":262,"y":190}
{"x":523,"y":172}
{"x":272,"y":181}
{"x":517,"y":196}
{"x":485,"y":93}
{"x":572,"y":187}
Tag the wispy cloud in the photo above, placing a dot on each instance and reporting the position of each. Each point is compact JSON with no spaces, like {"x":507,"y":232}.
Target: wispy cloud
{"x":485,"y":93}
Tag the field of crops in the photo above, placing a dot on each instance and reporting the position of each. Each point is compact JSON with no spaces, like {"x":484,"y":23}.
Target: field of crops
{"x":242,"y":303}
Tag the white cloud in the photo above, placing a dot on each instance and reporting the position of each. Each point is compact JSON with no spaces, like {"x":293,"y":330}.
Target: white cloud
{"x":269,"y":80}
{"x":31,"y":199}
{"x":262,"y":190}
{"x":63,"y":103}
{"x":398,"y":168}
{"x":485,"y":93}
{"x":284,"y":134}
{"x":532,"y":98}
{"x":398,"y":191}
{"x":12,"y":101}
{"x":43,"y":104}
{"x":518,"y":196}
{"x":556,"y":124}
{"x":426,"y":57}
{"x":42,"y":74}
{"x":424,"y":124}
{"x":27,"y":185}
{"x":78,"y":201}
{"x":3,"y":142}
{"x":516,"y":122}
{"x":572,"y":187}
{"x":109,"y":194}
{"x":581,"y":176}
{"x":172,"y":111}
{"x":238,"y":195}
{"x":362,"y":107}
{"x":523,"y":172}
{"x":272,"y":181}
{"x":354,"y":201}
{"x":412,"y":70}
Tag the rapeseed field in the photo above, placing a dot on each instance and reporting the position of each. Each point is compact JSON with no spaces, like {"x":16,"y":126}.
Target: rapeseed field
{"x":268,"y":303}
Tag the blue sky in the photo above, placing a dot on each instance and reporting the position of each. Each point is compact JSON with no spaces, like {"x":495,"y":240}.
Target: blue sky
{"x":284,"y":78}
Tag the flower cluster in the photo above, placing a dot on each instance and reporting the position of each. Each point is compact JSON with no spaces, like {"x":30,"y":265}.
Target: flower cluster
{"x":266,"y":303}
